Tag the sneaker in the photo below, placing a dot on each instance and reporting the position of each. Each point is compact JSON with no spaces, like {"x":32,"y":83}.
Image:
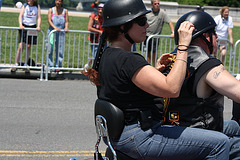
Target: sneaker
{"x":27,"y":70}
{"x":13,"y":69}
{"x":86,"y":66}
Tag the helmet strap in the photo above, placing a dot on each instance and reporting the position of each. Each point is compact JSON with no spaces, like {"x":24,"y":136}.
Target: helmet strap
{"x":210,"y":46}
{"x":126,"y":35}
{"x":100,"y":50}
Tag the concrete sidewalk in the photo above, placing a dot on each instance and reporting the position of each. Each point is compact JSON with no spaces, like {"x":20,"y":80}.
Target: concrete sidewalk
{"x":36,"y":74}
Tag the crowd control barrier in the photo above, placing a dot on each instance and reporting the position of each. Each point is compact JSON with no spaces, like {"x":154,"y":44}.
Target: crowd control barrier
{"x":236,"y":59}
{"x":76,"y":50}
{"x":229,"y":57}
{"x":9,"y":44}
{"x":165,"y":44}
{"x":72,"y":54}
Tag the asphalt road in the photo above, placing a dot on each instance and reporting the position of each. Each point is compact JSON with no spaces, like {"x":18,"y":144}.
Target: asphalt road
{"x":49,"y":119}
{"x":46,"y":120}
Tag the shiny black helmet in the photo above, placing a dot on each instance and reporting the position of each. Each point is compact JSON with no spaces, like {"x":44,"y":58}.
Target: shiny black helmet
{"x":202,"y":22}
{"x":118,"y":12}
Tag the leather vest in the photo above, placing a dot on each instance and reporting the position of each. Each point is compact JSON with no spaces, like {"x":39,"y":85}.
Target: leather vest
{"x":189,"y":110}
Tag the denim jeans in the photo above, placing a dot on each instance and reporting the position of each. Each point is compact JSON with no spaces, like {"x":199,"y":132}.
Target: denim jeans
{"x":172,"y":142}
{"x":94,"y":49}
{"x":232,"y":129}
{"x":59,"y":48}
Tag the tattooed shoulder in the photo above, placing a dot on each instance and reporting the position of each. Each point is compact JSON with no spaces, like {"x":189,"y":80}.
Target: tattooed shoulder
{"x":216,"y":74}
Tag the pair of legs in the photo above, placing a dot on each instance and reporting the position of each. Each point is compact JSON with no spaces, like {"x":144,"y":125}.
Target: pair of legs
{"x":57,"y":42}
{"x":151,"y":58}
{"x":223,"y":51}
{"x":20,"y":50}
{"x":173,"y":142}
{"x":94,"y":48}
{"x":19,"y":53}
{"x":151,"y":50}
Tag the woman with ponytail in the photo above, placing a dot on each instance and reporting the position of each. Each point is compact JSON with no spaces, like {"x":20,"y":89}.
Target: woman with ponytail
{"x":130,"y":83}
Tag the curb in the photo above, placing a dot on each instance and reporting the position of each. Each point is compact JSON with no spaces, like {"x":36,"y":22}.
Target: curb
{"x":6,"y":73}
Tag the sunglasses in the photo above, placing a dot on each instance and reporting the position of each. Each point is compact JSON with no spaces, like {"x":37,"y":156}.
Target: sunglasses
{"x":142,"y":21}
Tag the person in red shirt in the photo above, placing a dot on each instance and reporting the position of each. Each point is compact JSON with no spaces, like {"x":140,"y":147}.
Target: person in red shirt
{"x":94,"y":25}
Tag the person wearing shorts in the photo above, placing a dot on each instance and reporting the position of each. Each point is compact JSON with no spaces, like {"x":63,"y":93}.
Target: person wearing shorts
{"x":29,"y":17}
{"x":224,"y":29}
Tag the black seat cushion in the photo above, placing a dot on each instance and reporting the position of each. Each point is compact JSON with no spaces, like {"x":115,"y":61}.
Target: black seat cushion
{"x":113,"y":115}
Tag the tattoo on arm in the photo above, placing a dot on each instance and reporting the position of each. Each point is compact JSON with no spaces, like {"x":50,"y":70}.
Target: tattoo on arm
{"x":217,"y":73}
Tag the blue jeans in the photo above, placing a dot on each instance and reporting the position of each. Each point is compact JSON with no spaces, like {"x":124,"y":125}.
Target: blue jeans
{"x":232,"y":129}
{"x":59,"y":48}
{"x":172,"y":142}
{"x":94,"y":49}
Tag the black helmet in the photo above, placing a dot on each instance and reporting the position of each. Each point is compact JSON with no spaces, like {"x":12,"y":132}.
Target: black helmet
{"x":118,"y":12}
{"x":202,"y":22}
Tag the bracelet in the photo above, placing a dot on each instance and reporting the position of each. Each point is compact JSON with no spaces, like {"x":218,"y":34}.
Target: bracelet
{"x":181,"y":59}
{"x":182,"y":49}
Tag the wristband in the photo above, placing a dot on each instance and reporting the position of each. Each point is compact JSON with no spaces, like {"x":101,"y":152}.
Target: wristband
{"x":182,"y":49}
{"x":181,"y":59}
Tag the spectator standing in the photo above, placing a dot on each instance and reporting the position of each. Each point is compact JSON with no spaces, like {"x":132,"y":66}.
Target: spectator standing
{"x":156,"y":20}
{"x":224,"y":29}
{"x":30,"y":17}
{"x":200,"y":103}
{"x":126,"y":79}
{"x":58,"y":20}
{"x":94,"y":25}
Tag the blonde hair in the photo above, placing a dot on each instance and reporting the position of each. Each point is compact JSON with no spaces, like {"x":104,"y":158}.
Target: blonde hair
{"x":223,"y":9}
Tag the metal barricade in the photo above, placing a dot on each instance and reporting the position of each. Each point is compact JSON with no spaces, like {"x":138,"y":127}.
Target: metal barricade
{"x":9,"y":43}
{"x":164,"y":44}
{"x":236,"y":59}
{"x":76,"y":51}
{"x":228,"y":61}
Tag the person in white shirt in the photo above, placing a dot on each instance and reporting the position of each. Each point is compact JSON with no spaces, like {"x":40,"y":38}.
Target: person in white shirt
{"x":29,"y":17}
{"x":223,"y":29}
{"x":156,"y":20}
